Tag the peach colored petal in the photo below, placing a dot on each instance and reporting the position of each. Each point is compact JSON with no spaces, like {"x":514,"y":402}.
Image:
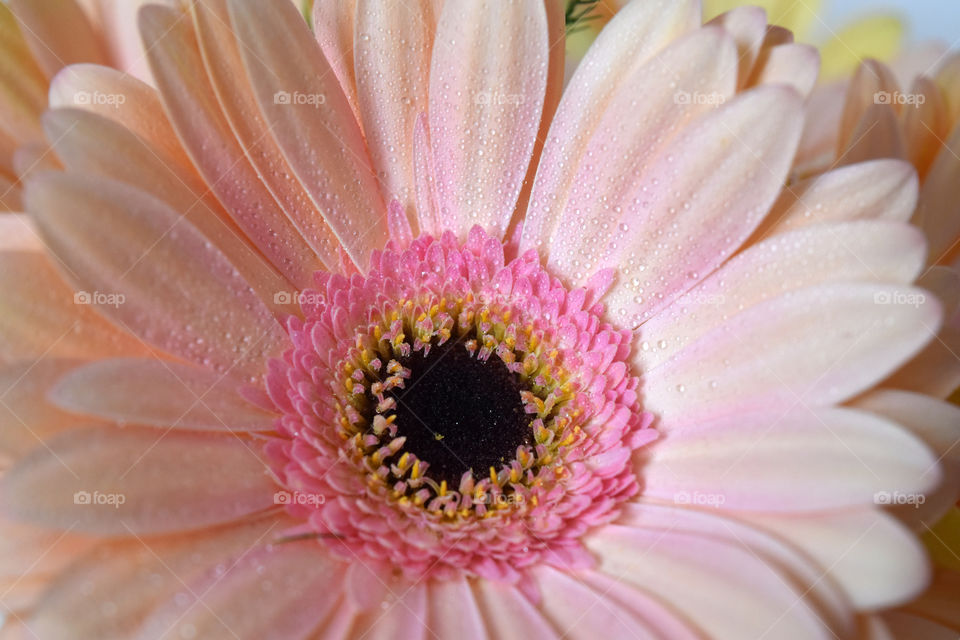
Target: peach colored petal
{"x":870,"y":78}
{"x":710,"y":187}
{"x":717,"y":584}
{"x":936,"y":370}
{"x":178,"y":291}
{"x":225,"y":68}
{"x":633,"y":36}
{"x":117,"y":23}
{"x":178,"y":69}
{"x":39,"y":314}
{"x":817,"y":346}
{"x":34,"y":157}
{"x":303,"y":581}
{"x":877,"y":135}
{"x":120,"y":482}
{"x":107,"y":593}
{"x":26,"y":551}
{"x":849,"y":544}
{"x":877,"y":189}
{"x":819,"y":140}
{"x":633,"y":133}
{"x":311,"y":134}
{"x":164,"y":394}
{"x":9,"y":195}
{"x":392,"y":83}
{"x":26,"y":418}
{"x":809,"y":459}
{"x":22,"y":84}
{"x":125,"y":99}
{"x":937,"y":211}
{"x":486,"y":109}
{"x":333,"y":26}
{"x":58,"y":33}
{"x":939,"y":602}
{"x":793,"y":64}
{"x":747,"y":26}
{"x":89,"y":143}
{"x":861,"y":251}
{"x":906,"y":626}
{"x":924,"y":124}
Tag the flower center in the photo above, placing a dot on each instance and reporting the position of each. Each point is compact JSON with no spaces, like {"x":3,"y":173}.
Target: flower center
{"x":459,"y":413}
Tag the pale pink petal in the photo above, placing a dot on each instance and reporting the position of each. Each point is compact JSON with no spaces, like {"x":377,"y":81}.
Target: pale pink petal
{"x":937,"y":423}
{"x":283,"y":592}
{"x":876,"y":189}
{"x":679,"y":84}
{"x":117,"y":20}
{"x":818,"y":143}
{"x":634,"y":35}
{"x":404,"y":616}
{"x":865,"y":251}
{"x":190,"y":101}
{"x":154,"y":273}
{"x":872,"y":84}
{"x":710,"y":187}
{"x":592,"y":606}
{"x":808,"y":460}
{"x":90,"y":143}
{"x":392,"y":76}
{"x":849,"y":545}
{"x":221,"y":53}
{"x":108,"y":593}
{"x":716,"y":583}
{"x":121,"y":482}
{"x":452,"y":610}
{"x":509,"y":615}
{"x":817,"y":346}
{"x":26,"y":417}
{"x":58,"y":33}
{"x":831,"y":603}
{"x":39,"y":313}
{"x":488,"y":80}
{"x":318,"y":134}
{"x":164,"y":394}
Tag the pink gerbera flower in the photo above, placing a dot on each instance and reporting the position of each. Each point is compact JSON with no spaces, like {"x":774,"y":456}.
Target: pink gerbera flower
{"x":370,"y":333}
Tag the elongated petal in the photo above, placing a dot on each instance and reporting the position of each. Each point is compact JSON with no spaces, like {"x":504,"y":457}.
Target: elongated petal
{"x":848,"y":545}
{"x":154,"y":273}
{"x":164,"y":394}
{"x":315,"y":128}
{"x":58,"y":33}
{"x":485,"y":111}
{"x":120,"y":482}
{"x":633,"y":36}
{"x":877,"y":189}
{"x":864,"y":251}
{"x":809,"y":460}
{"x":26,"y":417}
{"x":452,"y":610}
{"x":818,"y":346}
{"x":333,"y":24}
{"x":300,"y":596}
{"x":178,"y":69}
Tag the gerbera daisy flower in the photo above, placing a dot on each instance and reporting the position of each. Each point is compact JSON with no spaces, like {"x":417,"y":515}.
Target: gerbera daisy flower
{"x":370,"y":332}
